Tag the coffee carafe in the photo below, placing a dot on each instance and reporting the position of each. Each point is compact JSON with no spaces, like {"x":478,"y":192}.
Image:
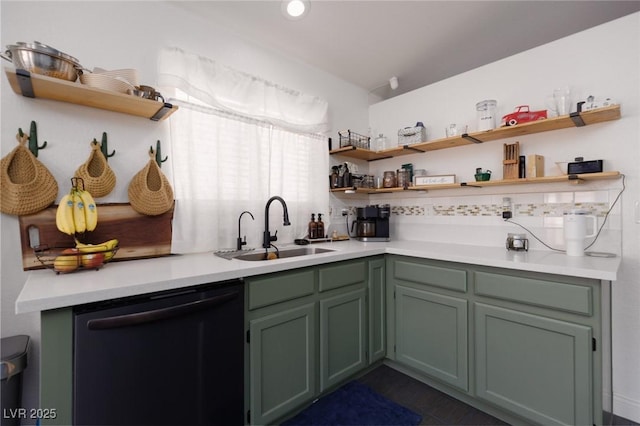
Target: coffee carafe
{"x":575,"y":231}
{"x":372,"y":223}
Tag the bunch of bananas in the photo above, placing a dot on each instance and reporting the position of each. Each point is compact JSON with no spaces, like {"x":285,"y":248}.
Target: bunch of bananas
{"x":77,"y":212}
{"x":107,"y":248}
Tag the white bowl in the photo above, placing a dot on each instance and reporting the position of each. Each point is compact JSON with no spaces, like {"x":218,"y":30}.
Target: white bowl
{"x":105,"y":82}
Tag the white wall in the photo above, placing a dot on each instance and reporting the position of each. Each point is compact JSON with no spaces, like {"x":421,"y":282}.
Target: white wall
{"x":116,"y":35}
{"x":603,"y":61}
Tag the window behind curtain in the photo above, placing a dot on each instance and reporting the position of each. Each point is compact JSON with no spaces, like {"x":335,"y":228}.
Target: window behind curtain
{"x":224,"y":164}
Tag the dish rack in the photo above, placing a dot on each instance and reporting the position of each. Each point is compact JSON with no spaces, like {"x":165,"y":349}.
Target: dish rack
{"x":349,"y":138}
{"x":67,"y":259}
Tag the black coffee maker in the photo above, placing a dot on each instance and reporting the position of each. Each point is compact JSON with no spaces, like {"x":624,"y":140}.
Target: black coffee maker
{"x":372,"y":223}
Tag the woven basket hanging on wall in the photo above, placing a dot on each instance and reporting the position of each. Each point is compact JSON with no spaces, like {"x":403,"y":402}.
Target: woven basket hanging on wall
{"x":149,"y":190}
{"x":96,"y":174}
{"x":27,"y":185}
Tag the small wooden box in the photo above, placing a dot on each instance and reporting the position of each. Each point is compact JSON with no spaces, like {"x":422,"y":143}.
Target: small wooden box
{"x":535,"y":166}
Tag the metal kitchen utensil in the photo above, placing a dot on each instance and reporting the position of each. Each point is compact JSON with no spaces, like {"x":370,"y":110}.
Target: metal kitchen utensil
{"x":41,"y":59}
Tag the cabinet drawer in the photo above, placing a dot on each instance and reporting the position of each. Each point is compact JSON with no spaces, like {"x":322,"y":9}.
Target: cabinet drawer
{"x":278,"y":288}
{"x":537,"y":292}
{"x":342,"y":275}
{"x":411,"y":271}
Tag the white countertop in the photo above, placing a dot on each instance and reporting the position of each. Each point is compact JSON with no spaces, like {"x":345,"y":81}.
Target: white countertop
{"x":45,"y":290}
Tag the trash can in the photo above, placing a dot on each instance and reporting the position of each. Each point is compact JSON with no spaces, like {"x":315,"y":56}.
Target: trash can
{"x":14,"y":361}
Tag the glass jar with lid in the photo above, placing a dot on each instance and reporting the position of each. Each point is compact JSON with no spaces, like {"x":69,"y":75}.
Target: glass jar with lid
{"x":389,"y":179}
{"x":486,"y":113}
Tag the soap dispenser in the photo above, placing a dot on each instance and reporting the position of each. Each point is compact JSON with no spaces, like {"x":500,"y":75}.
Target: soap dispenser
{"x":320,"y":227}
{"x":313,"y":227}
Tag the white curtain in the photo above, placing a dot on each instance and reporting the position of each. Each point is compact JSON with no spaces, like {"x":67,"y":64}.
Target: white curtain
{"x":231,"y":90}
{"x":225,"y":162}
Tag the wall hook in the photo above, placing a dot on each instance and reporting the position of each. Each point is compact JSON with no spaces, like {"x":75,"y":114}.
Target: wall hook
{"x":33,"y":139}
{"x":158,"y":153}
{"x":104,"y":148}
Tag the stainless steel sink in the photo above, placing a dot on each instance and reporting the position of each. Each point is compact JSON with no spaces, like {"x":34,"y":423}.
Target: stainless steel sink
{"x":282,"y":253}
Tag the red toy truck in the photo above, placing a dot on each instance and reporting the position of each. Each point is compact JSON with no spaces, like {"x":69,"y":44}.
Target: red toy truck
{"x":522,"y":114}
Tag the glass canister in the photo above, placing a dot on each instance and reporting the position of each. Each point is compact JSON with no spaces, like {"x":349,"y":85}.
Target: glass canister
{"x":379,"y":143}
{"x":389,"y":179}
{"x":403,"y":178}
{"x":486,"y":112}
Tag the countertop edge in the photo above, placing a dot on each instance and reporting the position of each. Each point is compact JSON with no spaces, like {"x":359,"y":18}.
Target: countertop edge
{"x":45,"y":291}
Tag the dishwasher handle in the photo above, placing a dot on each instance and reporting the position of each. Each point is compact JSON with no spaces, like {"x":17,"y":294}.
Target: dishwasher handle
{"x":159,"y":314}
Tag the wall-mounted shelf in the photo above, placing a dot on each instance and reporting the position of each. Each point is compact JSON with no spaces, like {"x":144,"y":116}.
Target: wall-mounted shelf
{"x":556,"y":123}
{"x":574,"y":179}
{"x":40,"y":86}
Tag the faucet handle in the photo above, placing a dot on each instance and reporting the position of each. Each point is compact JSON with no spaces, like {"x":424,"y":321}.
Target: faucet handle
{"x":275,"y":236}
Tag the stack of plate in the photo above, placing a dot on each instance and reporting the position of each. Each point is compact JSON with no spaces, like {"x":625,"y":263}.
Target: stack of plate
{"x":121,"y":81}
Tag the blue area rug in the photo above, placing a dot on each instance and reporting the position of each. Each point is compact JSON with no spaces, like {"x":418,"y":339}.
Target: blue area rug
{"x":355,"y":404}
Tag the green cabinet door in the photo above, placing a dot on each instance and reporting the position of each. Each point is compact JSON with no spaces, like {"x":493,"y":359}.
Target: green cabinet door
{"x":56,"y":365}
{"x":342,"y":337}
{"x":282,"y":362}
{"x":431,"y":334}
{"x":377,"y":311}
{"x":537,"y":367}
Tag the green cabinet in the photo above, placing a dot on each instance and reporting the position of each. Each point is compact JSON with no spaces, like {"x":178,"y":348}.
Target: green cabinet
{"x":282,"y":362}
{"x":309,"y":331}
{"x":430,"y":318}
{"x":536,"y":351}
{"x":527,"y":347}
{"x":342,"y":337}
{"x":281,"y":343}
{"x":56,"y":364}
{"x":431,"y":333}
{"x":534,"y":366}
{"x":377,"y":310}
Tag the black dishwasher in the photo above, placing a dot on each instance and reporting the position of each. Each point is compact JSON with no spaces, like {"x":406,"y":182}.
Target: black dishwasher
{"x":169,"y":358}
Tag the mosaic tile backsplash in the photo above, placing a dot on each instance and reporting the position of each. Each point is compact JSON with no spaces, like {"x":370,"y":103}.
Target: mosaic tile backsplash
{"x":528,"y":209}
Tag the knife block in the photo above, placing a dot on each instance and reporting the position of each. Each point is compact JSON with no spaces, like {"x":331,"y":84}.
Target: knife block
{"x":511,"y":162}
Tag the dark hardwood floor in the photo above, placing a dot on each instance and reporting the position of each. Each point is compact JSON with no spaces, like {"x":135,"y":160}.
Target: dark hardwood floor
{"x":435,"y":407}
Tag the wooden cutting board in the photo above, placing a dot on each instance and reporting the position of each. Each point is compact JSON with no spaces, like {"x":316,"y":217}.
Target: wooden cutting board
{"x":139,"y":236}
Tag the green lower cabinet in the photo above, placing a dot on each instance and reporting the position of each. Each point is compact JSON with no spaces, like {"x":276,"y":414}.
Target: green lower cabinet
{"x":56,"y":365}
{"x":282,"y":362}
{"x":342,"y":337}
{"x":431,"y":335}
{"x":377,"y":311}
{"x":537,"y":367}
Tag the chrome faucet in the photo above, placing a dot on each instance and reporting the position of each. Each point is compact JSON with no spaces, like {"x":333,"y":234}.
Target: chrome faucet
{"x":239,"y":241}
{"x":267,"y":238}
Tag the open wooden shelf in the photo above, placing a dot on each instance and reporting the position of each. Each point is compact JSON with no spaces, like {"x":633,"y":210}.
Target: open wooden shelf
{"x":576,"y":119}
{"x":574,"y":179}
{"x":40,"y":86}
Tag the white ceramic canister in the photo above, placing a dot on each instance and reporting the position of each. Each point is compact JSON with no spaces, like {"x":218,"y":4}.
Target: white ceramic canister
{"x":486,"y":112}
{"x":575,"y":231}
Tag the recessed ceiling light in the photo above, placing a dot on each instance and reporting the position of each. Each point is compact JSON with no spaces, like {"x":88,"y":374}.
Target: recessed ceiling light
{"x":295,"y":9}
